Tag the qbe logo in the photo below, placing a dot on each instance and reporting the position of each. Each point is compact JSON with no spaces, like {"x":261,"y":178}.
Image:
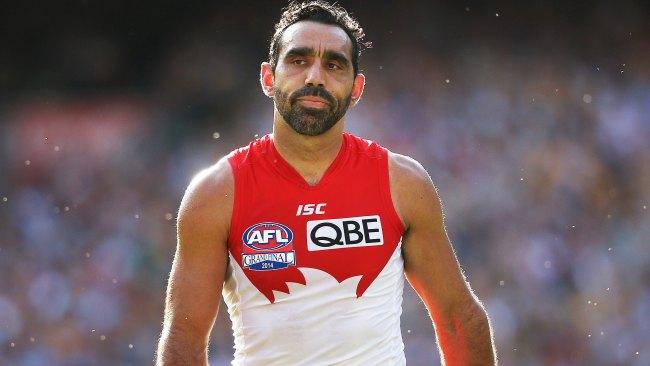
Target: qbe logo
{"x":268,"y":246}
{"x":351,"y":232}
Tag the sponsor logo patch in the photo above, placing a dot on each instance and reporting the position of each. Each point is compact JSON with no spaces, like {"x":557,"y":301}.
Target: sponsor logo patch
{"x":268,"y":246}
{"x":351,"y":232}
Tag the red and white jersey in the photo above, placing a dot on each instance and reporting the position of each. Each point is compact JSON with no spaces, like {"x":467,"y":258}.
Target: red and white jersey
{"x":316,"y":274}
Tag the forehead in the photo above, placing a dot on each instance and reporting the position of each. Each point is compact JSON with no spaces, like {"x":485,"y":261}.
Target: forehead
{"x":316,"y":35}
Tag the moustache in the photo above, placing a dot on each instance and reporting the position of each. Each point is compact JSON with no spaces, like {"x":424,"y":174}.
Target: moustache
{"x":313,"y":92}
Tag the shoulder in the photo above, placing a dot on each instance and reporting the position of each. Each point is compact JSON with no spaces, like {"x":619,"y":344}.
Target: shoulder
{"x":362,"y":146}
{"x":407,"y":170}
{"x":412,"y":189}
{"x":208,"y":199}
{"x":211,"y":183}
{"x":251,"y":152}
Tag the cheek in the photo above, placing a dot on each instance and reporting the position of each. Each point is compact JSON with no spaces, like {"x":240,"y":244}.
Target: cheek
{"x":286,"y":83}
{"x":282,"y":96}
{"x":344,"y":90}
{"x":288,"y":73}
{"x":280,"y":89}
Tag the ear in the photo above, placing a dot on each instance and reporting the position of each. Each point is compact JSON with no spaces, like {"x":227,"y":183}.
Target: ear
{"x":266,"y":79}
{"x":357,"y":88}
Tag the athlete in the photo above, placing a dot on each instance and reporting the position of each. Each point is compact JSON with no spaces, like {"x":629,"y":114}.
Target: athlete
{"x":308,"y":232}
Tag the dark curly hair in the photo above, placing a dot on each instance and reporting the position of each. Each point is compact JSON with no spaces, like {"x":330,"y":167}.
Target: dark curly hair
{"x":322,"y":12}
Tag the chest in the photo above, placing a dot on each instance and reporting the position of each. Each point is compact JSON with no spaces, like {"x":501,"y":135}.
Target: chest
{"x":342,"y":228}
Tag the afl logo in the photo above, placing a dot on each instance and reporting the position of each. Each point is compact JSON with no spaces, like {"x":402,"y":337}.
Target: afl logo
{"x":268,"y":247}
{"x":267,"y":236}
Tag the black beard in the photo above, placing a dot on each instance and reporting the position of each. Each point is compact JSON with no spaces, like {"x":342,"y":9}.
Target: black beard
{"x":310,"y":121}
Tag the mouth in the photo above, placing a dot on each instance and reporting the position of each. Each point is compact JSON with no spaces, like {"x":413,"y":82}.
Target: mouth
{"x":313,"y":102}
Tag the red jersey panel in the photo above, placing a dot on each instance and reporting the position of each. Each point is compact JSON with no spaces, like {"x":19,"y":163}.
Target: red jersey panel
{"x":345,"y":225}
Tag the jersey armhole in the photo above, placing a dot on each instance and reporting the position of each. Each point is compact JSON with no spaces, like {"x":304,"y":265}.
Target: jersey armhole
{"x":384,"y":186}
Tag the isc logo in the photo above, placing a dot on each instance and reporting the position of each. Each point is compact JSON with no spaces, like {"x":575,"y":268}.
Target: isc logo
{"x":351,"y":232}
{"x":311,"y":209}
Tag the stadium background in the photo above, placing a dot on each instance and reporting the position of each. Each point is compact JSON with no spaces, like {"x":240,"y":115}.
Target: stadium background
{"x":531,"y":118}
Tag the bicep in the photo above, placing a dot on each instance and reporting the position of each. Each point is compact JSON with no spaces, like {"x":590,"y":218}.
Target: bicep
{"x":194,"y":288}
{"x":430,"y":263}
{"x":198,"y":269}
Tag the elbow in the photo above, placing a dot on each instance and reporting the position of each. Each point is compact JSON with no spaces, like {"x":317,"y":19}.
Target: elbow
{"x":478,"y":314}
{"x":180,"y":348}
{"x":465,"y":336}
{"x":471,"y":321}
{"x":461,"y":314}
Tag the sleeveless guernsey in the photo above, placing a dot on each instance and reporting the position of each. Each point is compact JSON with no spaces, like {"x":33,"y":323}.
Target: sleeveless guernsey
{"x":315,"y":273}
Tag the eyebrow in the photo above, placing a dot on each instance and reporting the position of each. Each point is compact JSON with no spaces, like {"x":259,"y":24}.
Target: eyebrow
{"x":308,"y":52}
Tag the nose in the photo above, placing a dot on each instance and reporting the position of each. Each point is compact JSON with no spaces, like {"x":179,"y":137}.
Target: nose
{"x":315,"y":76}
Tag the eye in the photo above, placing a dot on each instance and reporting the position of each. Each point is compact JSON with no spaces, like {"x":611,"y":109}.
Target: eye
{"x":333,"y":66}
{"x":298,"y":61}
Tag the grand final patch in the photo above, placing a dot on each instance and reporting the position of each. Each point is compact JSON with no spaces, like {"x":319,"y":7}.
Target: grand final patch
{"x":268,"y":246}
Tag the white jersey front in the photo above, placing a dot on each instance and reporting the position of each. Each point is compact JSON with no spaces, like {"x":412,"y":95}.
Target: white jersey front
{"x":315,"y":274}
{"x":320,"y":323}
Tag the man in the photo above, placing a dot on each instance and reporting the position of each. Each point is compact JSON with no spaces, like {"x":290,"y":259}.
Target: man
{"x":308,"y":231}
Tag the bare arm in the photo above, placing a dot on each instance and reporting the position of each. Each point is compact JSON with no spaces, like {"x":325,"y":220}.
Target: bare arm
{"x":460,"y":321}
{"x":198,"y":270}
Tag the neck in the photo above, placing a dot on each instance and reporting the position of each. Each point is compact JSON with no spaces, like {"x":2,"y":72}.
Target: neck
{"x":309,"y":155}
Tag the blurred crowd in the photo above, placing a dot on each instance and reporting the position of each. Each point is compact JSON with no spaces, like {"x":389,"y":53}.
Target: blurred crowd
{"x":538,"y":144}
